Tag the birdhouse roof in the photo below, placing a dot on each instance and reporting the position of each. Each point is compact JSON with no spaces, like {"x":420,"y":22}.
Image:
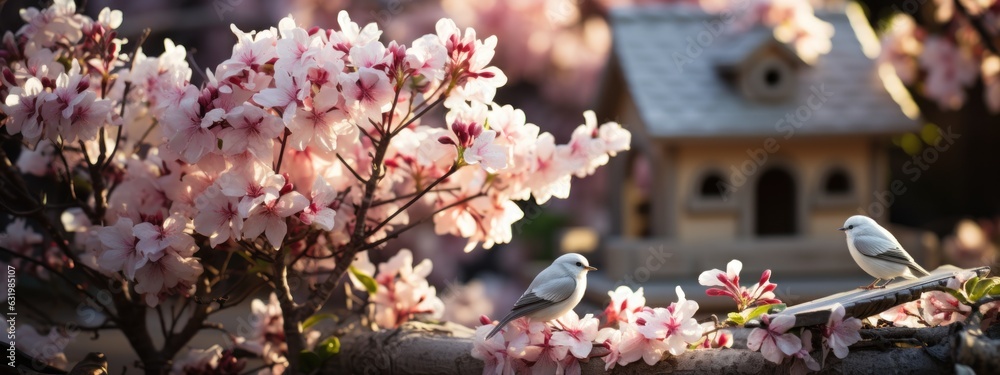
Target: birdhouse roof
{"x":733,"y":51}
{"x":694,"y":100}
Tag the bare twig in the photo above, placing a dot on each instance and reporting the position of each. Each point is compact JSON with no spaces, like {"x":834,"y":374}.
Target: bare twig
{"x":281,"y":152}
{"x":408,"y":195}
{"x":62,"y":275}
{"x":348,"y":165}
{"x":399,"y":231}
{"x":454,"y":168}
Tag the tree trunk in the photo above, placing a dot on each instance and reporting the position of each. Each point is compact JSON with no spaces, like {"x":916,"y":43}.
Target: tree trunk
{"x":419,"y":348}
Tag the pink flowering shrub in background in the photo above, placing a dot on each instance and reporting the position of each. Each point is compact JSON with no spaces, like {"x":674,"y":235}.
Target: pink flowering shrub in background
{"x":401,"y":291}
{"x":941,"y":53}
{"x":305,"y":149}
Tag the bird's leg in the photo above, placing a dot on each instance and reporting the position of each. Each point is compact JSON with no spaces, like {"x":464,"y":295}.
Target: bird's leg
{"x":883,"y":285}
{"x":872,"y":285}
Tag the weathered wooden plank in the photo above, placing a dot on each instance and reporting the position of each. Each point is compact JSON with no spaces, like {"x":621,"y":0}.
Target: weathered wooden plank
{"x":860,"y":303}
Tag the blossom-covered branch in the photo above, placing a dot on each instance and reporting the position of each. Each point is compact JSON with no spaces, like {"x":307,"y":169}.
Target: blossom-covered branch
{"x":303,"y":149}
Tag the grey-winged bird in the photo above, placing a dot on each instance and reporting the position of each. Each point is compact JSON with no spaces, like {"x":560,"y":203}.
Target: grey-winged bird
{"x":554,"y":292}
{"x":878,"y":253}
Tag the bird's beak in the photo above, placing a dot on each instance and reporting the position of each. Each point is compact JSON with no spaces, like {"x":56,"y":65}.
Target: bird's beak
{"x":842,"y":229}
{"x":589,"y":268}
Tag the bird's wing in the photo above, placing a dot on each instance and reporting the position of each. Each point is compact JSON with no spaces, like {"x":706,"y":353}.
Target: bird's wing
{"x":540,"y":294}
{"x":551,"y":291}
{"x":881,"y":248}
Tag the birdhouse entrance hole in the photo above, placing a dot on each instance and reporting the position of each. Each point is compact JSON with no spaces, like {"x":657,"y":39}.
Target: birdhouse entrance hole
{"x":775,"y":203}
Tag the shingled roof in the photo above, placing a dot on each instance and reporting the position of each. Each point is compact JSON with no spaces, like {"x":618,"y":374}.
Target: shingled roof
{"x":698,"y":102}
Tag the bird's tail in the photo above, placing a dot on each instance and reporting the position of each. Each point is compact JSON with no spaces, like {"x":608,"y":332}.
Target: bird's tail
{"x":917,"y":270}
{"x":503,"y":323}
{"x":494,"y":331}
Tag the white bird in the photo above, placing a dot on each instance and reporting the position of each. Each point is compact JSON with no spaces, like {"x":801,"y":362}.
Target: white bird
{"x":554,"y":292}
{"x":877,"y":251}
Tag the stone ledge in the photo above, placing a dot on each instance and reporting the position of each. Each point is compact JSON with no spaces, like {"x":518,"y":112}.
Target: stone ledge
{"x":419,"y":348}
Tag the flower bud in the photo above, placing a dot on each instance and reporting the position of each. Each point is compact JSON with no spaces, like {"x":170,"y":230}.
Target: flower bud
{"x":764,"y":277}
{"x":769,"y":288}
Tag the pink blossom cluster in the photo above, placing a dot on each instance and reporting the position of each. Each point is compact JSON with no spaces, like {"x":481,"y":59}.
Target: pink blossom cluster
{"x":20,"y":238}
{"x":727,"y":284}
{"x":402,"y":291}
{"x":525,"y":346}
{"x":156,"y":253}
{"x":653,"y":332}
{"x":793,"y":21}
{"x":261,"y":333}
{"x":632,"y":332}
{"x":54,"y":107}
{"x":264,"y":334}
{"x":948,"y":53}
{"x":777,"y":343}
{"x":280,"y":138}
{"x":46,"y":99}
{"x":276,"y":148}
{"x":935,"y":308}
{"x":63,"y":80}
{"x":561,"y":46}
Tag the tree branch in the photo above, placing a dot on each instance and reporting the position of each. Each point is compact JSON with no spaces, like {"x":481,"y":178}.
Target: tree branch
{"x":355,"y":173}
{"x":289,"y":309}
{"x":62,"y":275}
{"x":409,"y":226}
{"x":454,"y":168}
{"x":408,"y":195}
{"x":977,"y":24}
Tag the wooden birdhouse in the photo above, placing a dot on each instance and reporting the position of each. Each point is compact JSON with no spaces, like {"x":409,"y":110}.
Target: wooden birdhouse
{"x":743,"y":150}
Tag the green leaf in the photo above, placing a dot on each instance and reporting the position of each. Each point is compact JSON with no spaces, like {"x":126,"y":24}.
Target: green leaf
{"x":370,"y":285}
{"x":328,"y":347}
{"x":970,"y":285}
{"x":982,"y":287}
{"x":995,"y":291}
{"x":310,"y":361}
{"x":312,"y":320}
{"x":751,"y":314}
{"x":736,"y":318}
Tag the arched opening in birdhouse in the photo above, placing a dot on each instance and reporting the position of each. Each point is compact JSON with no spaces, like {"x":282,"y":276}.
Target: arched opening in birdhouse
{"x":775,"y":204}
{"x":837,"y":183}
{"x":712,"y":186}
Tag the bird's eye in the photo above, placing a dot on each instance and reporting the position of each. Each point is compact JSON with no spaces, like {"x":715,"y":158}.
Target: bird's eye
{"x":850,"y":227}
{"x":578,"y":264}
